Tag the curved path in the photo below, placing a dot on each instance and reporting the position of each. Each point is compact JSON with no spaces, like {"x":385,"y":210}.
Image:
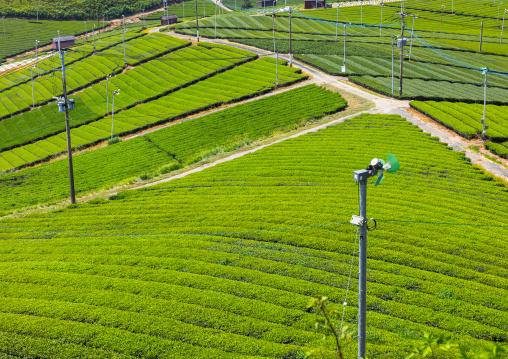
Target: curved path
{"x":383,"y":105}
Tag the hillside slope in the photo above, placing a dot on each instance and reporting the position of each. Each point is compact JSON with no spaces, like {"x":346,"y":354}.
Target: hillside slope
{"x":222,"y":263}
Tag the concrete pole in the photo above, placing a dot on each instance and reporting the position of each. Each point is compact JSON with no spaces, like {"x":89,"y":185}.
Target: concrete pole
{"x":37,"y":54}
{"x":381,"y":26}
{"x":290,"y":54}
{"x":441,"y":26}
{"x":197,"y":20}
{"x":277,"y":70}
{"x":345,"y":39}
{"x":107,"y":95}
{"x":37,"y":13}
{"x":401,"y":53}
{"x":67,"y":126}
{"x":412,"y":30}
{"x":32,"y":76}
{"x":337,"y":23}
{"x":86,"y":32}
{"x":113,"y":117}
{"x":3,"y":20}
{"x":362,"y":274}
{"x":144,"y":19}
{"x":481,"y":37}
{"x":273,"y":28}
{"x":93,"y":37}
{"x":502,"y":27}
{"x":393,"y":61}
{"x":485,"y":71}
{"x":498,"y":9}
{"x":215,"y":36}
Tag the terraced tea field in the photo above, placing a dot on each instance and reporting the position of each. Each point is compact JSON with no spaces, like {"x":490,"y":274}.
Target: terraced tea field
{"x":245,"y":81}
{"x":185,"y":11}
{"x":187,"y":269}
{"x":20,"y":34}
{"x":85,"y":72}
{"x":445,"y":59}
{"x":174,"y":251}
{"x":170,"y":148}
{"x":172,"y":72}
{"x":465,"y":119}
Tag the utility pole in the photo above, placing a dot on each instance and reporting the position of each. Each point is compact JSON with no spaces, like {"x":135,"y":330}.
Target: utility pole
{"x":32,"y":76}
{"x":103,"y":22}
{"x":144,"y":19}
{"x":197,"y":20}
{"x":117,"y":92}
{"x":393,"y":61}
{"x":93,"y":37}
{"x":361,"y":13}
{"x":481,"y":37}
{"x":441,"y":26}
{"x":215,"y":34}
{"x":67,"y":126}
{"x":290,"y":54}
{"x":183,"y":13}
{"x":277,"y":70}
{"x":37,"y":54}
{"x":86,"y":32}
{"x":412,"y":30}
{"x":37,"y":13}
{"x":381,"y":26}
{"x":498,"y":9}
{"x":485,"y":127}
{"x":107,"y":95}
{"x":502,"y":27}
{"x":345,"y":39}
{"x":337,"y":23}
{"x":273,"y":27}
{"x":3,"y":20}
{"x":403,"y":15}
{"x":124,"y":53}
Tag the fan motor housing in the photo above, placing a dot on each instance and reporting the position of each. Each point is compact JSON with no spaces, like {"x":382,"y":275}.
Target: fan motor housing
{"x":361,"y":175}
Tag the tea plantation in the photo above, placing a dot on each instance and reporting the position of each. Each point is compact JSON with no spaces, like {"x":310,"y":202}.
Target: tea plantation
{"x":197,"y":267}
{"x":172,"y":252}
{"x":170,"y":148}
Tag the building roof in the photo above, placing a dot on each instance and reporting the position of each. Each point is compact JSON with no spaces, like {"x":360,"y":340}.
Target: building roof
{"x":64,"y":38}
{"x":170,"y":16}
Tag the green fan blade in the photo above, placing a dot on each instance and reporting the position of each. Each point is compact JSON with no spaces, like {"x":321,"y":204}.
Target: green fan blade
{"x":394,"y":162}
{"x":380,"y":179}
